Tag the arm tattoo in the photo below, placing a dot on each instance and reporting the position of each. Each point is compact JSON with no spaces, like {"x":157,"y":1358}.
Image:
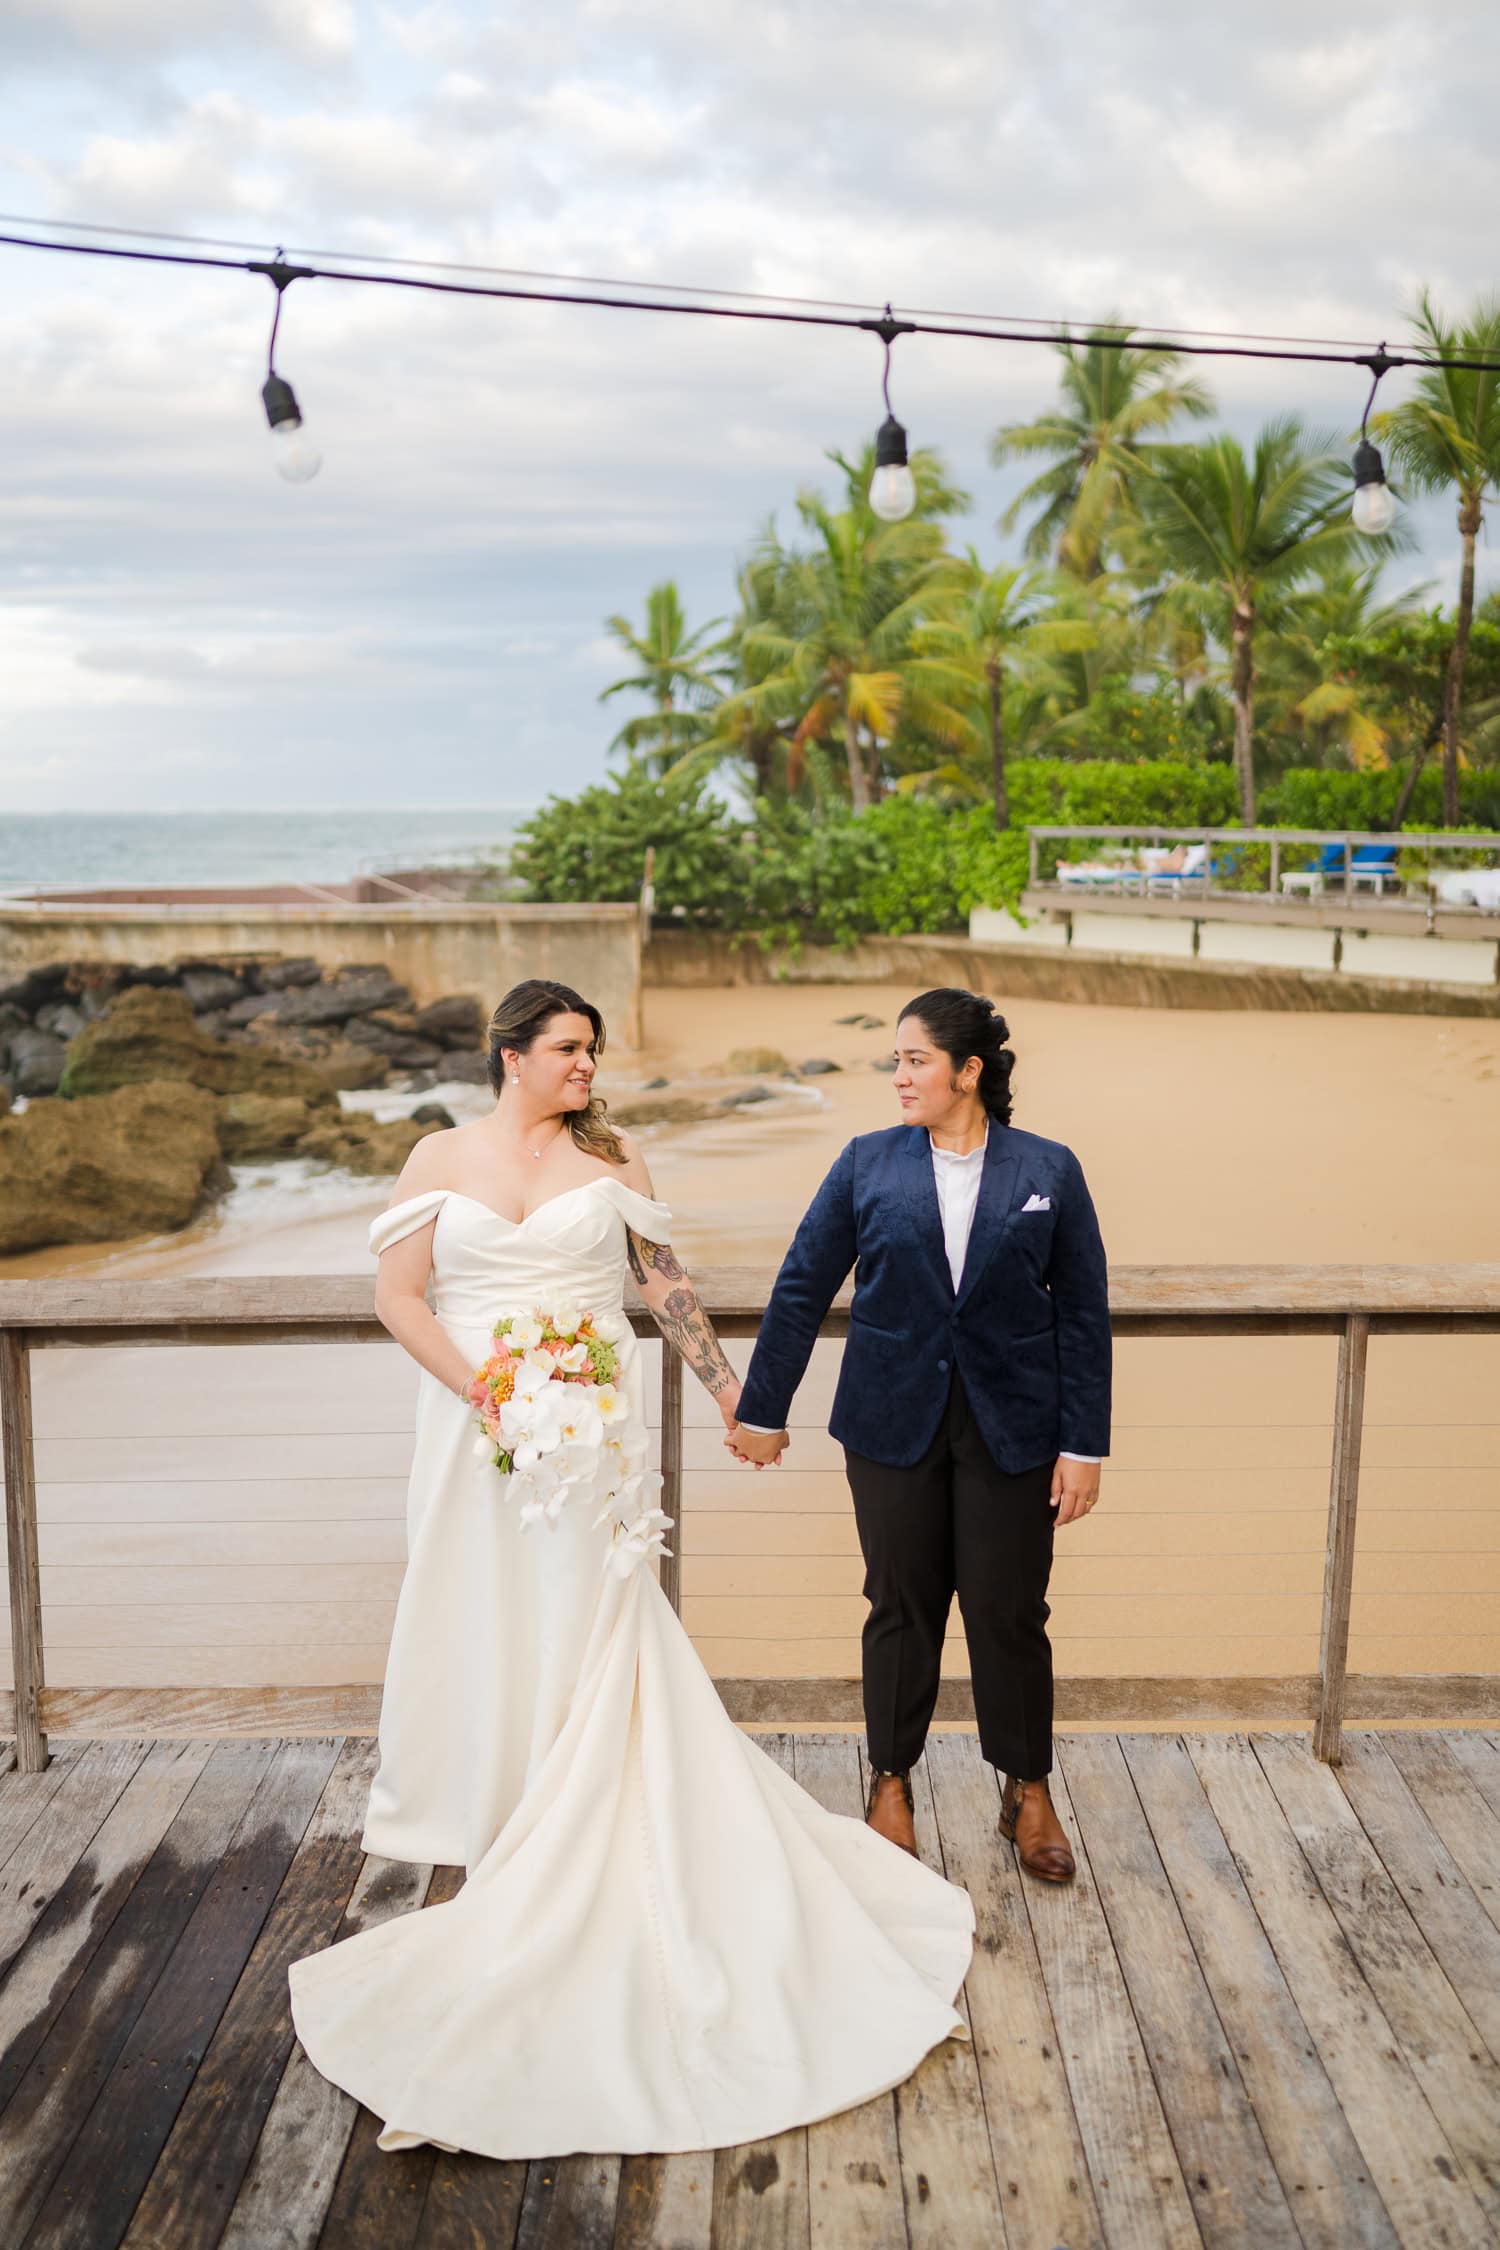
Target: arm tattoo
{"x":680,"y":1316}
{"x":683,"y":1322}
{"x":657,"y":1257}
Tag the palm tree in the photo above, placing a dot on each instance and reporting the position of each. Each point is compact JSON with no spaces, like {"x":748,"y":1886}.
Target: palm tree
{"x":836,"y":653}
{"x":1115,"y":398}
{"x":1249,"y":532}
{"x":681,"y":672}
{"x":985,"y":617}
{"x":1448,"y":433}
{"x":1308,"y":683}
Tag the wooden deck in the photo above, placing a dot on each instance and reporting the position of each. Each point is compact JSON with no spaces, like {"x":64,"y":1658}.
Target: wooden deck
{"x":1267,"y":2013}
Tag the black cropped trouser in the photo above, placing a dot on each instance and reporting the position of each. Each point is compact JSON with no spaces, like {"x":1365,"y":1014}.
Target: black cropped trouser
{"x":955,"y":1523}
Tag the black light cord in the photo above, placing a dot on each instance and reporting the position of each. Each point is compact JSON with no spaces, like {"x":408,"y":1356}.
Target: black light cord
{"x":751,"y":312}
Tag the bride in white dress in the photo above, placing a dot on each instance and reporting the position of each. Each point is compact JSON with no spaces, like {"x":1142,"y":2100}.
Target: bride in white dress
{"x":662,"y":1942}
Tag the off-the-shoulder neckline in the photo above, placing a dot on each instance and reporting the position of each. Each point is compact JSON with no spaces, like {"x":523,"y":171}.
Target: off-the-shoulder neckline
{"x":583,"y":1187}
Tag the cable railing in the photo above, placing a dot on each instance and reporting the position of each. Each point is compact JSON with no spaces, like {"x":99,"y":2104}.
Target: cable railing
{"x":1349,"y":1303}
{"x":1444,"y":872}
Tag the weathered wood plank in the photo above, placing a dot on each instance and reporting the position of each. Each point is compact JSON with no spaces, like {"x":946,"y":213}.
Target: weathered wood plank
{"x":1458,"y":1811}
{"x":666,"y":2202}
{"x":1316,"y":2156}
{"x":91,"y":2201}
{"x":1138,"y":2183}
{"x":473,"y":2203}
{"x":380,"y":2194}
{"x":1405,"y":2150}
{"x":947,"y":2164}
{"x":290,"y":2179}
{"x":1236,"y":2195}
{"x":761,"y":2190}
{"x":1479,"y":1755}
{"x":569,"y":2204}
{"x":86,"y":1899}
{"x":1449,"y":2060}
{"x":1343,"y":1507}
{"x":1033,"y":2136}
{"x":853,"y":2160}
{"x":19,"y":1459}
{"x":59,"y":2086}
{"x":24,"y":1797}
{"x":59,"y":1833}
{"x":191,"y":2191}
{"x":1442,"y":1901}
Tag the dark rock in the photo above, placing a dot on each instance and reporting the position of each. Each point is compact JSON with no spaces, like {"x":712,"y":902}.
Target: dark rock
{"x":455,"y":1020}
{"x":211,"y":988}
{"x":871,"y":1023}
{"x":337,"y":1002}
{"x":654,"y":1085}
{"x":148,"y":973}
{"x":214,"y":1023}
{"x":848,"y":1019}
{"x":254,"y":1004}
{"x":887,"y":1063}
{"x":149,"y":1035}
{"x":818,"y":1067}
{"x":746,"y":1097}
{"x":5,"y":1097}
{"x":36,"y":1061}
{"x":12,"y":1018}
{"x":62,"y":1019}
{"x":39,"y":986}
{"x":463,"y":1069}
{"x":278,"y":976}
{"x":433,"y":1113}
{"x":412,"y":1054}
{"x":134,"y":1161}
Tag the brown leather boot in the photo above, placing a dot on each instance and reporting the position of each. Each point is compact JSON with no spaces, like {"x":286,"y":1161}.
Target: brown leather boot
{"x":1028,"y":1821}
{"x":888,"y":1809}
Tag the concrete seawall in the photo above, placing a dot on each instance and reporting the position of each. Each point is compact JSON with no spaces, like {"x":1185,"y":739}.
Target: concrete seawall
{"x":432,"y":950}
{"x":1119,"y":980}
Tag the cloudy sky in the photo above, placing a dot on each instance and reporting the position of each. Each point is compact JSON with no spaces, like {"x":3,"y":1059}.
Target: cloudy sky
{"x":424,"y":623}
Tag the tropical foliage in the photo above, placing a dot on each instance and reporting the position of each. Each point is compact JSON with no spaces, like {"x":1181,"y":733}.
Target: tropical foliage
{"x":1195,"y":606}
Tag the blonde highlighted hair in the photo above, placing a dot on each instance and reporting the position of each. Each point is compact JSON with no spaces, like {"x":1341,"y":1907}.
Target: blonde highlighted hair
{"x":519,"y":1020}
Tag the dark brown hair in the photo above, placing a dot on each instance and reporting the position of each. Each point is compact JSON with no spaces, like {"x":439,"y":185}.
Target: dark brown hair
{"x":964,"y":1024}
{"x":519,"y":1020}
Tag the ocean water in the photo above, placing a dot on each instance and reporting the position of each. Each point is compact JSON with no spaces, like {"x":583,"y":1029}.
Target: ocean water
{"x":98,"y":850}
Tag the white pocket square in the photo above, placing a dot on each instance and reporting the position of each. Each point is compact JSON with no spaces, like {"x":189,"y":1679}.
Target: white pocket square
{"x":1037,"y":1203}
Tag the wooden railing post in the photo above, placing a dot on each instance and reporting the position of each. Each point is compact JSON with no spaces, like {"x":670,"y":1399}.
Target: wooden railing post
{"x":1338,"y":1564}
{"x":21,"y":1548}
{"x":671,"y":1470}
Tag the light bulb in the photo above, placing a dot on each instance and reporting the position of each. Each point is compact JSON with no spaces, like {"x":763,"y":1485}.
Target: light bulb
{"x":1374,"y":510}
{"x":893,"y":492}
{"x":292,"y":450}
{"x":296,"y":457}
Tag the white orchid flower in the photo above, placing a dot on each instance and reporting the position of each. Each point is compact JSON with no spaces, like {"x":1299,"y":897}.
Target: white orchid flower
{"x":580,"y":1422}
{"x":611,"y":1328}
{"x":484,"y":1449}
{"x":612,"y":1403}
{"x":533,"y":1374}
{"x":574,"y":1360}
{"x":638,"y":1540}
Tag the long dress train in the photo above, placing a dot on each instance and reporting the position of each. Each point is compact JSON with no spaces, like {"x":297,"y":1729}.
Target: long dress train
{"x":663,"y":1943}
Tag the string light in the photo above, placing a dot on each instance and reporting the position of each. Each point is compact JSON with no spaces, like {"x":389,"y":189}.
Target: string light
{"x":893,"y":490}
{"x":1374,"y":509}
{"x":296,"y":457}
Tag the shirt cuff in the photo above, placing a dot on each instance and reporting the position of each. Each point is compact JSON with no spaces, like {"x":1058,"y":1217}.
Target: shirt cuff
{"x":761,"y":1429}
{"x":1063,"y":1455}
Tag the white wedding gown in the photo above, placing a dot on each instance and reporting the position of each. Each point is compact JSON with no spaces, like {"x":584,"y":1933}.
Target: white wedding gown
{"x":663,"y":1943}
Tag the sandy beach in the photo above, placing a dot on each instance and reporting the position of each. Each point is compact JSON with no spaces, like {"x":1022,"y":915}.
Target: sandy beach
{"x":245,"y":1523}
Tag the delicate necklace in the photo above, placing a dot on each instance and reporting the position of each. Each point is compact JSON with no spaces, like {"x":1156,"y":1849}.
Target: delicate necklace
{"x":538,"y":1153}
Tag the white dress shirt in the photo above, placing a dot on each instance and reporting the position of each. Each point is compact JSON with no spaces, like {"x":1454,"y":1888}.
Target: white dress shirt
{"x":957,"y":1179}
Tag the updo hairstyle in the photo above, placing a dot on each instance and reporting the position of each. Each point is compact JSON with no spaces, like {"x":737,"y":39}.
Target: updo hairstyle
{"x":519,"y":1020}
{"x":964,"y":1024}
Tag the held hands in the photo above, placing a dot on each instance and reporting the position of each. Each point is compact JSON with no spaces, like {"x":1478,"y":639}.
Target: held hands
{"x":1075,"y":1489}
{"x":763,"y":1448}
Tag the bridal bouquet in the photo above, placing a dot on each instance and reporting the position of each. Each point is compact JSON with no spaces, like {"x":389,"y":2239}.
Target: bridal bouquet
{"x":552,"y":1417}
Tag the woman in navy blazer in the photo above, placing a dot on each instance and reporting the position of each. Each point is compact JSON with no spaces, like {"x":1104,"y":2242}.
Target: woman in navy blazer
{"x":972,"y":1403}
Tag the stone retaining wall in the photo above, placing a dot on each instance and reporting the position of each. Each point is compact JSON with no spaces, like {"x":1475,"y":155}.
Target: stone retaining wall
{"x":432,"y":950}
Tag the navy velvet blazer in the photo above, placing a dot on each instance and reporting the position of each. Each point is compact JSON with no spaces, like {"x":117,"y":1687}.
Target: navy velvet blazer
{"x":1028,"y":1327}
